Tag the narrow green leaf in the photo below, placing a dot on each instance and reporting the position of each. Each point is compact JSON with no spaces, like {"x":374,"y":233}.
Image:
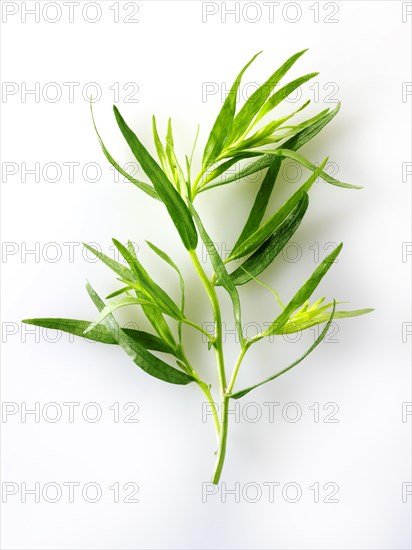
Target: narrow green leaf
{"x":158,"y":295}
{"x":310,"y":122}
{"x":302,"y":324}
{"x":75,"y":327}
{"x":296,"y":142}
{"x":253,"y":105}
{"x":283,"y":93}
{"x":222,"y":168}
{"x":149,"y":341}
{"x":119,"y":292}
{"x":161,"y":152}
{"x":140,"y":184}
{"x":153,"y":314}
{"x":114,"y":306}
{"x":175,"y":168}
{"x":263,"y":196}
{"x":166,"y":258}
{"x":261,"y":201}
{"x":283,"y":152}
{"x":304,"y":293}
{"x":265,"y":231}
{"x":223,"y":124}
{"x":125,"y":273}
{"x":221,"y":273}
{"x":265,"y":135}
{"x":158,"y":322}
{"x":268,"y":251}
{"x":273,"y":163}
{"x":101,"y":333}
{"x":140,"y":356}
{"x":322,"y":335}
{"x":174,"y":203}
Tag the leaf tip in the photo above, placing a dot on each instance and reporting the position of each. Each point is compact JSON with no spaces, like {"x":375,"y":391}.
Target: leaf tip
{"x":89,"y":328}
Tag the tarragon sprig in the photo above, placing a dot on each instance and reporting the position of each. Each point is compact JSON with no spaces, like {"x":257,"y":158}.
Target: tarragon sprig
{"x":236,"y":136}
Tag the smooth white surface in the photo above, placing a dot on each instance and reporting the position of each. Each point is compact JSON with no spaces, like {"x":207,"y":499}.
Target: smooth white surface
{"x":170,"y":53}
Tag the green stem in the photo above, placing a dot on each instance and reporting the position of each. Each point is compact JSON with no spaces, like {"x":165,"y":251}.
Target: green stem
{"x":236,"y":369}
{"x":205,"y":389}
{"x":222,"y":443}
{"x":194,"y":325}
{"x":218,"y":344}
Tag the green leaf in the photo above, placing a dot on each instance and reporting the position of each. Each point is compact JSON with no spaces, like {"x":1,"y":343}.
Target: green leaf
{"x":266,"y":135}
{"x":140,"y":184}
{"x":305,"y":322}
{"x":261,"y":201}
{"x":140,"y":356}
{"x":119,"y":292}
{"x":75,"y":327}
{"x":175,"y":168}
{"x":268,"y":251}
{"x":322,"y":335}
{"x":147,"y":284}
{"x":174,"y":203}
{"x":114,"y":306}
{"x":222,"y":168}
{"x":310,"y":122}
{"x":263,"y":196}
{"x":152,"y":313}
{"x":223,"y":124}
{"x":101,"y":333}
{"x":166,"y":258}
{"x":283,"y":93}
{"x":161,"y":152}
{"x":265,"y":231}
{"x":221,"y":273}
{"x":304,"y":293}
{"x":283,"y":152}
{"x":273,"y":163}
{"x":125,"y":273}
{"x":157,"y":320}
{"x":253,"y":105}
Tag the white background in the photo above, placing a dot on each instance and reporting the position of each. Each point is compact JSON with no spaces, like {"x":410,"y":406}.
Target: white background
{"x":171,"y":53}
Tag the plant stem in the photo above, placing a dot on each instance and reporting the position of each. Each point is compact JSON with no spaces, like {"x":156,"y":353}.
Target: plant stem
{"x":236,"y":369}
{"x":205,"y":389}
{"x":194,"y":325}
{"x":218,"y":345}
{"x":222,"y":443}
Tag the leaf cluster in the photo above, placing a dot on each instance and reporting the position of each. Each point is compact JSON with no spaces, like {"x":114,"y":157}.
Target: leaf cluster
{"x":252,"y":132}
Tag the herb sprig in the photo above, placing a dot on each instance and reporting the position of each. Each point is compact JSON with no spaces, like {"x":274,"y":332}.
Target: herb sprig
{"x":235,"y":137}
